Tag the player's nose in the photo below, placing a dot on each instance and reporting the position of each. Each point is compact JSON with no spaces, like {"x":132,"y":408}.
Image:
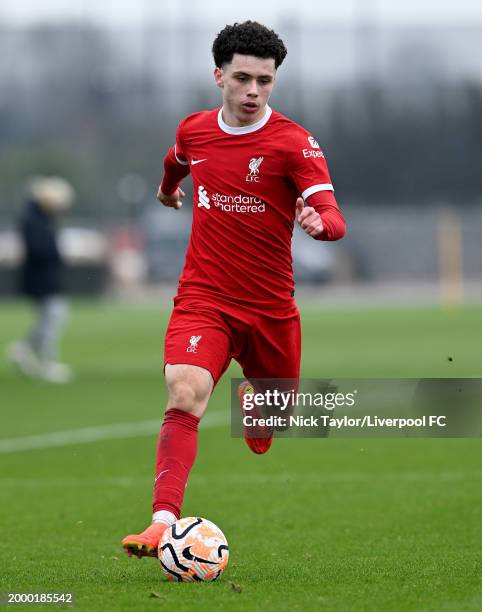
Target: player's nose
{"x":253,"y":88}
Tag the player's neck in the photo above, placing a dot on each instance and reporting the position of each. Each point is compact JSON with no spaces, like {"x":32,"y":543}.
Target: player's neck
{"x":231,"y":120}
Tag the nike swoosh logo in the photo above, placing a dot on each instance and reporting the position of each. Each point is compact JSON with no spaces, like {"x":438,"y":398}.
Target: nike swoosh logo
{"x":160,"y":474}
{"x":197,"y":161}
{"x":190,"y":557}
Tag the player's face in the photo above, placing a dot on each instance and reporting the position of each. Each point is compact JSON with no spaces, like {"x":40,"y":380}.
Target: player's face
{"x":247,"y":83}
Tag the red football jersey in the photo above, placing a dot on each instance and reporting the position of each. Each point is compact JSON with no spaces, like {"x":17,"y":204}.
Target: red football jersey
{"x":246,"y":181}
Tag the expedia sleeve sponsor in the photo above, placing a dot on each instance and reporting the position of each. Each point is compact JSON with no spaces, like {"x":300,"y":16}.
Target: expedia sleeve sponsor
{"x":307,"y":164}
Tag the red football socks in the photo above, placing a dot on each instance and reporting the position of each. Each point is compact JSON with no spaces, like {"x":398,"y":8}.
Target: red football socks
{"x":176,"y":452}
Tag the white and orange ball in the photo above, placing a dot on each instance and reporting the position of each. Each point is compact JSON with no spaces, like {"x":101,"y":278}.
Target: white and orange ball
{"x":193,"y":549}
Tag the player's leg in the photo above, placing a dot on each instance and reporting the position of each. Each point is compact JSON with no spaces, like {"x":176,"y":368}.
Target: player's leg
{"x":196,"y":354}
{"x":271,"y":362}
{"x":189,"y":388}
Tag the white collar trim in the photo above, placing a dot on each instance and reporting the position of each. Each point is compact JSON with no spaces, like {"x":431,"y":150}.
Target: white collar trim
{"x":244,"y":129}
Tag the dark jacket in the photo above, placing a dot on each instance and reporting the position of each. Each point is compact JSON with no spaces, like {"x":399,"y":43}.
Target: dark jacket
{"x":42,"y":269}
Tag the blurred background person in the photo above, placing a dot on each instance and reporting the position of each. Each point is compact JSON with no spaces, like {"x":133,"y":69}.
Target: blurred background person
{"x":41,"y":279}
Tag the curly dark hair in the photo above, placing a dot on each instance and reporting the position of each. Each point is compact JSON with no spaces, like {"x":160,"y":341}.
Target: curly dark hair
{"x":248,"y":38}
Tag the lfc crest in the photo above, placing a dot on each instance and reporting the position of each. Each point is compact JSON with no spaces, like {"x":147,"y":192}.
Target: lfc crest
{"x":254,"y":164}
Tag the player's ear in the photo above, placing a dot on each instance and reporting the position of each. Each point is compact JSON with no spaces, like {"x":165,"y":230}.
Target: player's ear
{"x":219,"y":77}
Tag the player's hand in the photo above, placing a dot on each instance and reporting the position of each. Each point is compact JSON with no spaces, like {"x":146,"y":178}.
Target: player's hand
{"x":309,"y":220}
{"x":173,"y":200}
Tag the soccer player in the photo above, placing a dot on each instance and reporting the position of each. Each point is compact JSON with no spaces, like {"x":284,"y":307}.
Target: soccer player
{"x":254,"y":172}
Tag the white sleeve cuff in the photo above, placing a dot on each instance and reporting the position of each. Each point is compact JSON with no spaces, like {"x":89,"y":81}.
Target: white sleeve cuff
{"x":314,"y":188}
{"x":180,"y":161}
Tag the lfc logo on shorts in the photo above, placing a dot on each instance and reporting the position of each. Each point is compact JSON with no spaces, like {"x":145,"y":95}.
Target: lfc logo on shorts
{"x":193,"y":342}
{"x":254,"y":164}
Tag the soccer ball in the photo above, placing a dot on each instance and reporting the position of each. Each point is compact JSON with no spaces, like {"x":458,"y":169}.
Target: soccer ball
{"x":193,"y":549}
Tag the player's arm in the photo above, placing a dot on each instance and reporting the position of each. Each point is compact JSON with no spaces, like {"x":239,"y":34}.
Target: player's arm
{"x":176,"y":168}
{"x":307,"y":168}
{"x":321,"y":218}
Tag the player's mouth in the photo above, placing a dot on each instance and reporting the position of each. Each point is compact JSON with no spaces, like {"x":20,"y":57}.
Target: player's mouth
{"x":250,"y":107}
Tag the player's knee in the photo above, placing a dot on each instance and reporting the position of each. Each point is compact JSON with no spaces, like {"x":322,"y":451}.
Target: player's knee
{"x":182,"y":395}
{"x":188,"y":387}
{"x":188,"y":395}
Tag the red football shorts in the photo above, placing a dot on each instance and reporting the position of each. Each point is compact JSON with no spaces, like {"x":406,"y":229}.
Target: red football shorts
{"x":209,"y":335}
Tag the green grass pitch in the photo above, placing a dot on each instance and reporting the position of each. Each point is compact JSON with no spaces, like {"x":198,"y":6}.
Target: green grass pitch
{"x":329,"y":524}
